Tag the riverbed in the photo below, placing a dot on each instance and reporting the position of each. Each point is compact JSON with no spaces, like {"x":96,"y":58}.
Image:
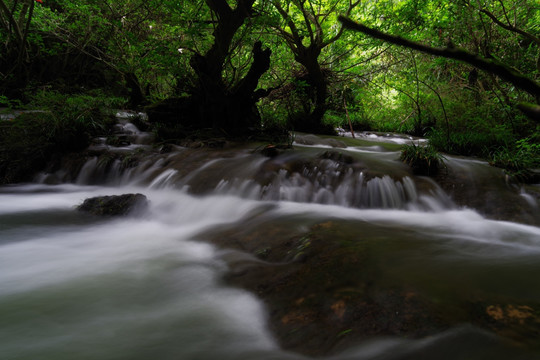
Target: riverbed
{"x":328,"y":251}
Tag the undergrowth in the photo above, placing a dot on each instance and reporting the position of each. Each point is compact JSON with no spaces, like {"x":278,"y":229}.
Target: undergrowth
{"x":56,"y":124}
{"x":518,"y":160}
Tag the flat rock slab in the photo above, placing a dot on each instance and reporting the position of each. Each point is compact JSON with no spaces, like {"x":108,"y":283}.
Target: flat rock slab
{"x":327,"y":286}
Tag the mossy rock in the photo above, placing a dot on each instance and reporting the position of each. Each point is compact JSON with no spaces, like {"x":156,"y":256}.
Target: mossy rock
{"x":116,"y":205}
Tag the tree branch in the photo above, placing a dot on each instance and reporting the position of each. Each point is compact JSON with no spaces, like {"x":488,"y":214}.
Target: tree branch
{"x":489,"y":65}
{"x":307,"y":19}
{"x":511,"y":28}
{"x":220,"y":7}
{"x":333,"y":39}
{"x":11,"y":19}
{"x":294,"y":34}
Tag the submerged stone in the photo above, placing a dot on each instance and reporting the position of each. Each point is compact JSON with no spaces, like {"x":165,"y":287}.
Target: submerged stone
{"x":115,"y":205}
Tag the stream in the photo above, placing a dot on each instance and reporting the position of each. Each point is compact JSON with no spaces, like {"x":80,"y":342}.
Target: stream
{"x":333,"y":249}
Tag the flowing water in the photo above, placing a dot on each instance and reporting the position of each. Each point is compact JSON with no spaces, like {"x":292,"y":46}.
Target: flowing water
{"x":75,"y":286}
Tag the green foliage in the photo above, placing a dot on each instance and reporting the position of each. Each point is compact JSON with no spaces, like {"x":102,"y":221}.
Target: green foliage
{"x":423,"y":159}
{"x":60,"y":123}
{"x":9,"y":103}
{"x":468,"y":143}
{"x":25,"y":144}
{"x":273,"y":113}
{"x":519,"y":159}
{"x":77,"y":117}
{"x":334,"y":119}
{"x":389,"y":88}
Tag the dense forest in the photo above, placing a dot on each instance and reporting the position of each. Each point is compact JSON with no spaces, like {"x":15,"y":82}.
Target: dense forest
{"x":462,"y":73}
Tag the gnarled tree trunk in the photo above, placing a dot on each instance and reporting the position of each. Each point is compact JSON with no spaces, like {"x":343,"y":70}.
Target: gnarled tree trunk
{"x":216,"y":104}
{"x":312,"y":121}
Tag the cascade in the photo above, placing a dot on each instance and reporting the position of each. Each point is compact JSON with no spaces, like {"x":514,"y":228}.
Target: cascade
{"x":328,"y":251}
{"x":311,"y":175}
{"x":324,"y":183}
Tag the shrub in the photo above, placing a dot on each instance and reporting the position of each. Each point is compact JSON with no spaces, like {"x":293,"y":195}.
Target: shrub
{"x":87,"y":114}
{"x":468,"y":143}
{"x":9,"y":103}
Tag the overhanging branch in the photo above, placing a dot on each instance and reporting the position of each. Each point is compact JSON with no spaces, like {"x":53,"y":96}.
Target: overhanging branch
{"x":512,"y":28}
{"x":488,"y":65}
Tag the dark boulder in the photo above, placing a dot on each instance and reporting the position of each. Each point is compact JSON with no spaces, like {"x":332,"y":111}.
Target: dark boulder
{"x":115,"y":205}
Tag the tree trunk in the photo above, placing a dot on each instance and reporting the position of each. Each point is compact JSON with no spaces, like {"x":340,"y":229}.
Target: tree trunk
{"x":231,"y":109}
{"x":312,"y":122}
{"x":213,"y":104}
{"x":218,"y":106}
{"x":14,"y":74}
{"x":136,"y":93}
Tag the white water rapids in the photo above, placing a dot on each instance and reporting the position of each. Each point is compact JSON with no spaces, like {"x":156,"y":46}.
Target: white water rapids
{"x":73,"y":286}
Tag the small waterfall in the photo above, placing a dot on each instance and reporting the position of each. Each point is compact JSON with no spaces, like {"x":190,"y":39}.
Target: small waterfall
{"x":353,"y":191}
{"x":130,"y":131}
{"x":88,"y":171}
{"x":531,"y":200}
{"x":306,"y":177}
{"x":163,"y":179}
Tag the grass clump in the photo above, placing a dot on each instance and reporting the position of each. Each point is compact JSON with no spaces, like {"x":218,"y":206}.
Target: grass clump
{"x":423,"y":159}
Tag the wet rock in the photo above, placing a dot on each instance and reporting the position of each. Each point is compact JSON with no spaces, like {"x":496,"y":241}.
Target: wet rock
{"x":327,"y":288}
{"x":270,"y":151}
{"x":321,"y":290}
{"x":274,"y":150}
{"x":315,"y":140}
{"x":519,"y":322}
{"x":488,"y":190}
{"x":115,"y":205}
{"x":338,"y":157}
